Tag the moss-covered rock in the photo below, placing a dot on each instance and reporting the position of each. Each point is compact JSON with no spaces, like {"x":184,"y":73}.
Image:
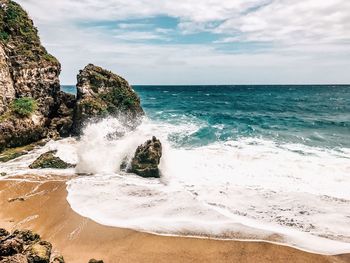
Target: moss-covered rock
{"x":102,"y":93}
{"x":39,"y":252}
{"x":25,"y":246}
{"x":30,"y":97}
{"x":49,"y":160}
{"x":17,"y":29}
{"x":14,"y":153}
{"x":147,"y":158}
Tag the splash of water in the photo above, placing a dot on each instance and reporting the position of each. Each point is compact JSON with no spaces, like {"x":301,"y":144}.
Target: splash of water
{"x":218,"y":190}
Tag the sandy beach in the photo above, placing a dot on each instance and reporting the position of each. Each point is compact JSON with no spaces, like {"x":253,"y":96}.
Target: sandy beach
{"x":41,"y":206}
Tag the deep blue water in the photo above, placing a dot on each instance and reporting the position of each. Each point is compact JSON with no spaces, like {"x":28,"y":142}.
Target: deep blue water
{"x":311,"y":115}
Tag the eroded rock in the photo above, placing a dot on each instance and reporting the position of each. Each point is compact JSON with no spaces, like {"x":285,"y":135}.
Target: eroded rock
{"x":24,"y":246}
{"x":3,"y":233}
{"x":101,"y":93}
{"x":11,"y":246}
{"x":39,"y":252}
{"x":27,"y":71}
{"x":57,"y":259}
{"x":49,"y":160}
{"x":18,"y":258}
{"x":147,"y":158}
{"x":95,"y":261}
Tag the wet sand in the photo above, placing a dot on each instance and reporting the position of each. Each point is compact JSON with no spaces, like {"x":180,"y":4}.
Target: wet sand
{"x":42,"y":207}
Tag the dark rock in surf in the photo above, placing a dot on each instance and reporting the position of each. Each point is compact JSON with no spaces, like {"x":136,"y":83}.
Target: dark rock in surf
{"x":101,"y":93}
{"x":147,"y":158}
{"x":49,"y":160}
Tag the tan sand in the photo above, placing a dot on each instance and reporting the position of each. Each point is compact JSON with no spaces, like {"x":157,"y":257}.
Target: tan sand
{"x":42,"y":207}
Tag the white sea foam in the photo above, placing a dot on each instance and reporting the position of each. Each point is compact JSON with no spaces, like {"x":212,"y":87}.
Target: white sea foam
{"x":66,"y":150}
{"x":249,"y":188}
{"x":221,"y":190}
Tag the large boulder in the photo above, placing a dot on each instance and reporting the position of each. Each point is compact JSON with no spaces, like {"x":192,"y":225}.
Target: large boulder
{"x":147,"y":158}
{"x":17,"y":258}
{"x":28,"y":74}
{"x":49,"y":160}
{"x":101,"y":93}
{"x":39,"y":252}
{"x":10,"y":247}
{"x":24,"y":246}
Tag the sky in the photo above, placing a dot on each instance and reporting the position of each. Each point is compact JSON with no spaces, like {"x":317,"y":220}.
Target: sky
{"x":173,"y":42}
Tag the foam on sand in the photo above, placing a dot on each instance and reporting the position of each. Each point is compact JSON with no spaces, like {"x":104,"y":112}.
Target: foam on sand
{"x":222,"y":190}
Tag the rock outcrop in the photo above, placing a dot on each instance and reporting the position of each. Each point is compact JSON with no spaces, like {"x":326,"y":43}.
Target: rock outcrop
{"x":95,"y":261}
{"x":101,"y":93}
{"x":147,"y":158}
{"x":32,"y":107}
{"x":27,"y":70}
{"x":25,"y":247}
{"x":49,"y":160}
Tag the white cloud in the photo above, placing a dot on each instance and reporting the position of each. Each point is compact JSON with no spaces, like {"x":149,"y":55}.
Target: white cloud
{"x":291,"y":21}
{"x":309,"y":39}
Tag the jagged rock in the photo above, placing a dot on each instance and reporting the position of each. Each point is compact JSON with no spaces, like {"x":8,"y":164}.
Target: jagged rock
{"x":49,"y":160}
{"x":63,"y":121}
{"x":95,"y":261}
{"x":3,"y":232}
{"x":57,"y":259}
{"x":18,"y":258}
{"x":147,"y":158}
{"x":27,"y":70}
{"x":27,"y":236}
{"x":24,"y":246}
{"x":11,"y":200}
{"x":7,"y":91}
{"x":101,"y":93}
{"x":13,"y":153}
{"x":39,"y":252}
{"x":12,"y":246}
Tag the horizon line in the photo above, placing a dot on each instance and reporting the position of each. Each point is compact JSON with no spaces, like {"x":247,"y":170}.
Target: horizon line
{"x":178,"y":85}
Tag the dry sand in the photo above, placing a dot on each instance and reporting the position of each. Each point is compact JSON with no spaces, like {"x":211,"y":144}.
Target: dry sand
{"x":42,"y":207}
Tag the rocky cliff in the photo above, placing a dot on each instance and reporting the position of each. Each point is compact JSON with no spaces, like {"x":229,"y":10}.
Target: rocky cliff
{"x":32,"y":106}
{"x":28,"y":74}
{"x":100,"y":93}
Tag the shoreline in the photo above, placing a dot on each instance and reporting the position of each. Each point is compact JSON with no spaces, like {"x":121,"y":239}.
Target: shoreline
{"x":45,"y":210}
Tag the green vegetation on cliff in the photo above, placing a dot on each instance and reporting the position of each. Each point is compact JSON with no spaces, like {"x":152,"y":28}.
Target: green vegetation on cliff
{"x":24,"y":107}
{"x":17,"y":30}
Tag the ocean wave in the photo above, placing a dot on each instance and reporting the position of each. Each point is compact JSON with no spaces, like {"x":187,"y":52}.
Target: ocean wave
{"x":219,"y":189}
{"x":237,"y":188}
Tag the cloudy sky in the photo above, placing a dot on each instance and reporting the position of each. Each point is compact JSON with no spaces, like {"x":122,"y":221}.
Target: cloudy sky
{"x":199,"y":41}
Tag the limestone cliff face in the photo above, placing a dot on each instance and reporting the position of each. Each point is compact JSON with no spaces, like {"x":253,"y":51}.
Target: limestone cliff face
{"x":27,"y":70}
{"x":7,"y":90}
{"x":32,"y":106}
{"x":102,"y":93}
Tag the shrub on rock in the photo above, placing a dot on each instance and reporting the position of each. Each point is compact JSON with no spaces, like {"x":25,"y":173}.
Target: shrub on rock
{"x":24,"y":107}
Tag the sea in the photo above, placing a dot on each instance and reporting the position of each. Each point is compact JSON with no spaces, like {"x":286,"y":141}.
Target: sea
{"x":239,"y":162}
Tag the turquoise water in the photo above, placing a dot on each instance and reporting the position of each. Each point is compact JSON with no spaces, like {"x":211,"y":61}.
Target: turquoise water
{"x":311,"y":115}
{"x":253,"y":160}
